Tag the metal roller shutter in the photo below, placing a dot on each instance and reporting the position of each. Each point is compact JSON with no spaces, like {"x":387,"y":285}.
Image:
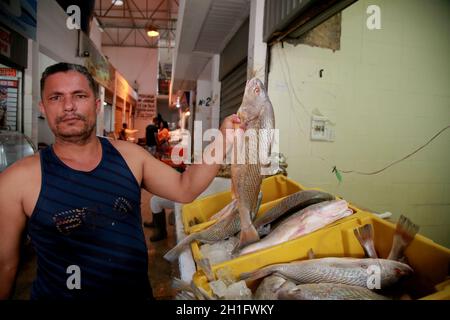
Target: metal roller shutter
{"x":232,"y":90}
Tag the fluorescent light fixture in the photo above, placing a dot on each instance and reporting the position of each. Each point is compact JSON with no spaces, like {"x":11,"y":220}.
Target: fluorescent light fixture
{"x":117,"y":2}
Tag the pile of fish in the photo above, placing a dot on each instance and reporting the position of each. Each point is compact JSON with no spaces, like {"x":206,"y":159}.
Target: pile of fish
{"x":298,"y":214}
{"x":340,"y":278}
{"x":332,"y":278}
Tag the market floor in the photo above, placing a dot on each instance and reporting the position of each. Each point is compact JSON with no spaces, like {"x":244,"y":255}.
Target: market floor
{"x":160,"y":271}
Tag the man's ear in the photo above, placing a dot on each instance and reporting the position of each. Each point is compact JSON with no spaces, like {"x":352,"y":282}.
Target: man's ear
{"x":97,"y":105}
{"x":41,"y":109}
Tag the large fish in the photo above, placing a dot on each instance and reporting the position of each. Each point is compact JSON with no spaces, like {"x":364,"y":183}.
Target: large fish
{"x":292,"y":204}
{"x":349,"y":271}
{"x":270,"y":286}
{"x":303,"y":222}
{"x":328,"y":291}
{"x":227,"y":226}
{"x":257,"y":114}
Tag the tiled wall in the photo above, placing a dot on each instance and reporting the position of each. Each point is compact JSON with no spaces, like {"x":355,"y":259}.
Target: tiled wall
{"x":387,"y":91}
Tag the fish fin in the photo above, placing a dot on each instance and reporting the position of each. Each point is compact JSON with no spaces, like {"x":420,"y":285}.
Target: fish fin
{"x":179,"y":284}
{"x":184,"y":296}
{"x":311,"y":254}
{"x":258,"y":205}
{"x":225,"y":211}
{"x":365,"y":237}
{"x":258,"y":274}
{"x":175,"y":252}
{"x":404,"y":234}
{"x":205,"y":265}
{"x":246,"y":237}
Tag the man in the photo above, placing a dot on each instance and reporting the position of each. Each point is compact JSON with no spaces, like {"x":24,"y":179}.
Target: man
{"x":150,"y":135}
{"x":80,"y":200}
{"x":123,"y":132}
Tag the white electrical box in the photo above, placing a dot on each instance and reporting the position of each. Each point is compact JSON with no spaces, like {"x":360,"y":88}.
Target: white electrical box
{"x":321,"y":129}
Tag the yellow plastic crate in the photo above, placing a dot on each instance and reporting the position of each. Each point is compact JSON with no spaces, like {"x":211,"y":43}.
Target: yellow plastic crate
{"x":429,"y":260}
{"x":196,"y":214}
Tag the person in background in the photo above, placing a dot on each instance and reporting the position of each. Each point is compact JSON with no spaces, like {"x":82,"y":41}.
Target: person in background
{"x":157,"y":206}
{"x":163,"y":136}
{"x":151,"y":132}
{"x":79,"y":199}
{"x":123,"y":132}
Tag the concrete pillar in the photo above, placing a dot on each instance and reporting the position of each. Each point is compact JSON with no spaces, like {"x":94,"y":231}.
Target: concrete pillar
{"x":257,"y":49}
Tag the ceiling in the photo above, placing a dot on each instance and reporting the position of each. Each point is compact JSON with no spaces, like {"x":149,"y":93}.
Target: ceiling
{"x":204,"y":28}
{"x":125,"y":25}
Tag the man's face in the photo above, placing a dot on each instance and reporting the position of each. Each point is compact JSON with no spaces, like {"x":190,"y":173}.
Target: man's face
{"x":70,"y":106}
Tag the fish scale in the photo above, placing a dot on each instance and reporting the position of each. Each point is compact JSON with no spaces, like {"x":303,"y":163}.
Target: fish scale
{"x":328,"y":291}
{"x":349,"y":271}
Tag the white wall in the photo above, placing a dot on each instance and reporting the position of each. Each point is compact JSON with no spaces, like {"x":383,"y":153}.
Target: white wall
{"x":44,"y":133}
{"x":140,"y":64}
{"x":96,"y":35}
{"x":387,"y":93}
{"x":31,"y":92}
{"x":257,"y":49}
{"x":204,"y":91}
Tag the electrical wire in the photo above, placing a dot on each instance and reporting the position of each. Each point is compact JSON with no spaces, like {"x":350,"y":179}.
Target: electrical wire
{"x":398,"y":161}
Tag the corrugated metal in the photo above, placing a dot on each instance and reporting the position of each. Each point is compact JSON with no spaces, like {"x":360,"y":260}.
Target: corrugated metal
{"x":280,"y":13}
{"x":232,"y":90}
{"x":223,"y":19}
{"x":298,"y":16}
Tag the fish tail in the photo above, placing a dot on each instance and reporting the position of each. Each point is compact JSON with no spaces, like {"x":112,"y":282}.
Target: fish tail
{"x":179,"y":284}
{"x":404,"y":234}
{"x":205,"y":265}
{"x":175,"y":252}
{"x":255,"y":275}
{"x":365,"y":237}
{"x":247,"y":236}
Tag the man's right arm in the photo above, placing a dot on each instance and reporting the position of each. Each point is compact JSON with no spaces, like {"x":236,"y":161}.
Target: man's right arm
{"x":12,"y":224}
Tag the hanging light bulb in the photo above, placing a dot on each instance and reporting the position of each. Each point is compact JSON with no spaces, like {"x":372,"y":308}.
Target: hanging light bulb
{"x":117,"y":2}
{"x":152,"y":31}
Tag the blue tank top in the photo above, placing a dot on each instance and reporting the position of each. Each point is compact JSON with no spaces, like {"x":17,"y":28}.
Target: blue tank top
{"x":89,"y":224}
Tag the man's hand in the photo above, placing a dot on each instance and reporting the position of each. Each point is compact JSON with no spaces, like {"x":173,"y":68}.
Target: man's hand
{"x":230,"y":124}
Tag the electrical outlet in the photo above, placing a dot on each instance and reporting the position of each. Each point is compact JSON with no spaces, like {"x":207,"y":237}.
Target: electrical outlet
{"x":321,"y":129}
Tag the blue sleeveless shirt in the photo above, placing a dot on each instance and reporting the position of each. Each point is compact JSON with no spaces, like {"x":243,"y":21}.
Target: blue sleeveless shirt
{"x":86,"y":229}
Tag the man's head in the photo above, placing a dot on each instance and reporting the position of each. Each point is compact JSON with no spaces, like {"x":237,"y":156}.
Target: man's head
{"x":69,"y":101}
{"x":124,"y":125}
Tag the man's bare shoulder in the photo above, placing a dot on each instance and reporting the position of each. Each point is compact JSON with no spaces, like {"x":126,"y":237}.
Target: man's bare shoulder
{"x":22,"y":170}
{"x":128,"y":149}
